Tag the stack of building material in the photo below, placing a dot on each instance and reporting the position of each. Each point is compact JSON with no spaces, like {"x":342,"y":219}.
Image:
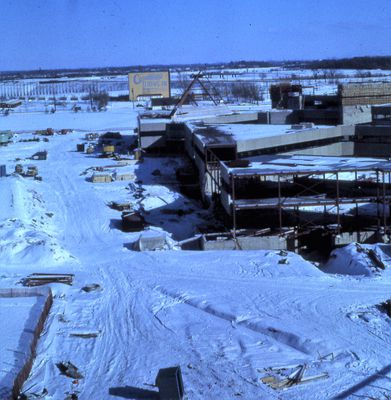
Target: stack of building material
{"x":152,"y":241}
{"x":124,"y":177}
{"x":365,"y":93}
{"x":38,"y":279}
{"x":120,"y":206}
{"x":101,"y":178}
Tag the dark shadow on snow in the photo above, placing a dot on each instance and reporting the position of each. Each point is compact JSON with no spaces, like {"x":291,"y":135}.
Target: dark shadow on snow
{"x":366,"y":382}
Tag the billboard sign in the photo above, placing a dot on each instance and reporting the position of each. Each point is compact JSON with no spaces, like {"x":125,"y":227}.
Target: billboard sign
{"x":149,"y":84}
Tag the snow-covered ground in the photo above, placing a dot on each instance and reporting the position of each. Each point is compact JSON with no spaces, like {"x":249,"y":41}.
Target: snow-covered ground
{"x":19,"y":316}
{"x":224,"y":317}
{"x":120,"y":116}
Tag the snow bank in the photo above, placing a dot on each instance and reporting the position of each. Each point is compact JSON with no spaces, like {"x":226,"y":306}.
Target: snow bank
{"x":361,"y":260}
{"x":28,"y":235}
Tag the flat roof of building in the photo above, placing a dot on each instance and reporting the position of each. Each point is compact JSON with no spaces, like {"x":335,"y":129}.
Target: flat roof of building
{"x":194,"y":113}
{"x":304,"y":164}
{"x":250,"y":137}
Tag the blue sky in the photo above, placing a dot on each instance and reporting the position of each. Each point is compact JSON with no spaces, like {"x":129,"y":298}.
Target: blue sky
{"x":92,"y":33}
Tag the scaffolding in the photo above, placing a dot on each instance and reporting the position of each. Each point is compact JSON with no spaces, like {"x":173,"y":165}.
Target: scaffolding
{"x":294,"y":191}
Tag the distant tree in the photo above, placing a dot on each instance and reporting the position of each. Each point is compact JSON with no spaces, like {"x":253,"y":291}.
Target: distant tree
{"x":246,"y":91}
{"x":183,"y":81}
{"x":100,"y":100}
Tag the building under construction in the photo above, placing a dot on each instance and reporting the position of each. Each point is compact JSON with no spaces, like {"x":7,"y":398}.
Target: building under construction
{"x":292,"y":185}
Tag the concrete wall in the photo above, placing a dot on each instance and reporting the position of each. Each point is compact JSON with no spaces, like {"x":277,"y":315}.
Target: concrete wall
{"x":356,"y":114}
{"x":286,"y":139}
{"x":340,"y":149}
{"x":273,"y":242}
{"x":278,"y":117}
{"x":372,"y":140}
{"x":153,"y":141}
{"x":346,"y":238}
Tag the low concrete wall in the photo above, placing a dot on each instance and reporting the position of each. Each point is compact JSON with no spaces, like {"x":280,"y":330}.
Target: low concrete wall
{"x":278,"y":117}
{"x":273,"y":242}
{"x":26,"y":369}
{"x":239,"y":118}
{"x":346,"y":238}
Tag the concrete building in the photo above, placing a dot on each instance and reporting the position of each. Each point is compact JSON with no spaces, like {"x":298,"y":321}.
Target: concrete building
{"x":350,"y":105}
{"x":262,"y":167}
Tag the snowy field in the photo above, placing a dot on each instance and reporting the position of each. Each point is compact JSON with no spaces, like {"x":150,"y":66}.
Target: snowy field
{"x":39,"y":95}
{"x":120,"y":116}
{"x":226,"y":318}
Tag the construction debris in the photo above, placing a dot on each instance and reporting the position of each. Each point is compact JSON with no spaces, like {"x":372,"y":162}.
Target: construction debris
{"x":91,"y":136}
{"x":40,"y":155}
{"x":386,"y":306}
{"x":90,"y":149}
{"x":85,"y":335}
{"x":45,"y":132}
{"x":372,"y":255}
{"x":32,"y":171}
{"x":38,"y":279}
{"x":42,"y":395}
{"x":120,"y":206}
{"x":19,"y":169}
{"x":72,"y":396}
{"x":69,"y":370}
{"x":91,"y":288}
{"x":132,"y":221}
{"x":280,"y":378}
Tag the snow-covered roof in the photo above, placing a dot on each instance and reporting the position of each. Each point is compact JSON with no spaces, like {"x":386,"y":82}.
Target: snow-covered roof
{"x":231,"y":133}
{"x":269,"y":165}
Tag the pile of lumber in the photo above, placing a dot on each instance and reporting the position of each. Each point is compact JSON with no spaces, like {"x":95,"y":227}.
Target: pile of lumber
{"x":38,"y":279}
